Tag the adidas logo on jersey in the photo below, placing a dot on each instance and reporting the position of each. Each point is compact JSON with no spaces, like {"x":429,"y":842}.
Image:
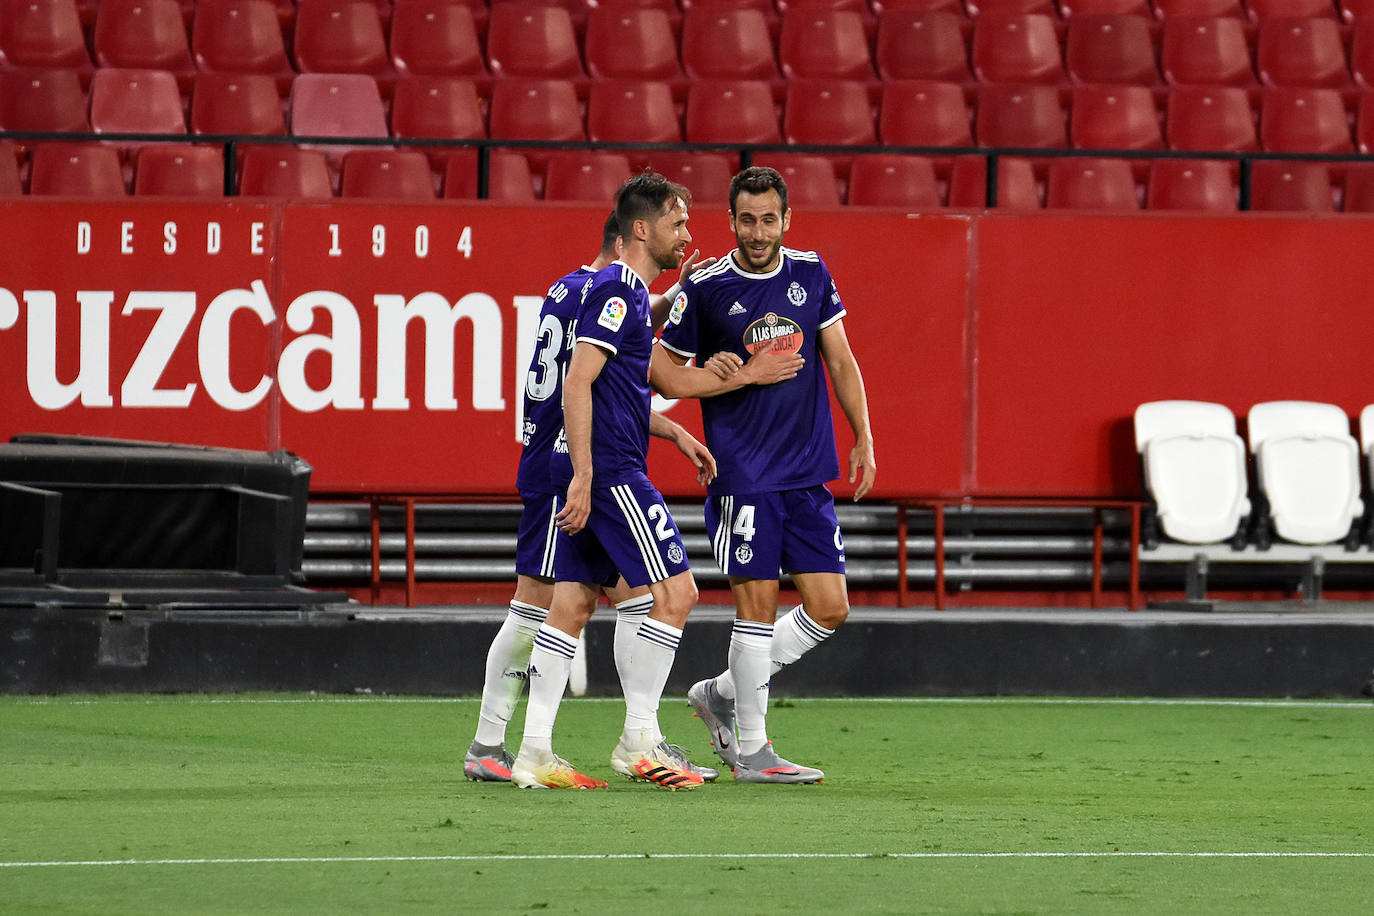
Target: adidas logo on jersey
{"x":736,"y":309}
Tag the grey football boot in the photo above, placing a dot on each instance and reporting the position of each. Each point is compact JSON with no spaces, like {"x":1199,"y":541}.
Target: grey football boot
{"x":488,"y":763}
{"x":764,"y":765}
{"x":718,"y":714}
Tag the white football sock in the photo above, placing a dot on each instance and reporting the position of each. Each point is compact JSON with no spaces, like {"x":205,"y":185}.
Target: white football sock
{"x":794,"y":635}
{"x":629,"y":614}
{"x":507,"y":661}
{"x":750,"y":669}
{"x":550,"y":662}
{"x":651,"y":659}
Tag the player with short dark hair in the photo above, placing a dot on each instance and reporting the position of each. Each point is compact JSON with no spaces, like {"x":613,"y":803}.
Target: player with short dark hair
{"x":508,"y":657}
{"x":768,"y":509}
{"x":613,"y":521}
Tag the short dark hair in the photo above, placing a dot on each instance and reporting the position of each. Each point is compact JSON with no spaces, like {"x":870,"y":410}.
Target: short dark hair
{"x":758,"y":179}
{"x":645,"y":196}
{"x":609,"y":233}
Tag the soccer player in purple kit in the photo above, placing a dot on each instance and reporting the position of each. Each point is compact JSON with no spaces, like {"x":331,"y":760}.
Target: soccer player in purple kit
{"x":613,"y":521}
{"x":508,"y":657}
{"x":768,"y":508}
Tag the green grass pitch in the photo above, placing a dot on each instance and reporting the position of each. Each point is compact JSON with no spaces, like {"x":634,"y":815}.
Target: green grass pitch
{"x":234,"y":804}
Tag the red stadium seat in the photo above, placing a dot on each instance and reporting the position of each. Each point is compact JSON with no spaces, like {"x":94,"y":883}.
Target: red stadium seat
{"x":1016,"y":49}
{"x":1354,"y":10}
{"x":76,"y":170}
{"x":1359,"y":188}
{"x":1278,"y":185}
{"x":179,"y":171}
{"x":726,"y":43}
{"x":824,"y":44}
{"x":241,"y":36}
{"x":887,"y":7}
{"x":1110,"y":49}
{"x":236,"y":103}
{"x":1091,"y":184}
{"x":629,"y":111}
{"x":1362,"y":53}
{"x":977,"y":8}
{"x":1070,"y":8}
{"x":1190,"y":184}
{"x":284,"y":171}
{"x":1210,"y":119}
{"x":436,"y":107}
{"x":436,"y":38}
{"x":1364,"y":124}
{"x":1168,"y":9}
{"x":893,"y":181}
{"x":1019,"y":116}
{"x":731,"y":111}
{"x":810,"y":179}
{"x":1114,"y":117}
{"x":922,"y":113}
{"x":136,"y":102}
{"x":532,"y":41}
{"x":611,"y":30}
{"x":1205,"y":51}
{"x":1016,"y":185}
{"x":1301,"y":52}
{"x":1296,"y":120}
{"x":336,"y":105}
{"x":586,"y":176}
{"x":529,"y":109}
{"x":1260,"y":10}
{"x":855,"y":6}
{"x":914,"y":45}
{"x":706,"y":175}
{"x":829,"y":112}
{"x":340,"y":36}
{"x":399,"y":174}
{"x":144,"y":35}
{"x":10,"y":183}
{"x":43,"y":34}
{"x":508,"y":178}
{"x":42,"y":100}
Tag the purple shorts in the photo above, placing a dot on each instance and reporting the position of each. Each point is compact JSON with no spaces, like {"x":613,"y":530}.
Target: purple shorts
{"x":629,"y":533}
{"x":534,"y":543}
{"x":760,"y":535}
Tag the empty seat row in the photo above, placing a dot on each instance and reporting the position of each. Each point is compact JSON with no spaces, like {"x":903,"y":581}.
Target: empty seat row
{"x":913,"y":182}
{"x":440,"y":37}
{"x":909,"y":113}
{"x":1307,"y":473}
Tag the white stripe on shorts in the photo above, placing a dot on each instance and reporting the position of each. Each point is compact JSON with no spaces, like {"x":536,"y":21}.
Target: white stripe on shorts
{"x":642,"y":533}
{"x":722,"y":540}
{"x":546,"y":562}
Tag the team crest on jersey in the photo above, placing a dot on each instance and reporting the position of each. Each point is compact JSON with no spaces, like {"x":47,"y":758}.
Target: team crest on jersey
{"x":796,"y":294}
{"x":784,"y":333}
{"x":613,"y":313}
{"x":675,"y":552}
{"x":744,"y":553}
{"x":679,"y":306}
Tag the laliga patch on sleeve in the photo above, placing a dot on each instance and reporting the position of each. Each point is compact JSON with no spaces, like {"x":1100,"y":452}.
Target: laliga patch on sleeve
{"x":612,"y":313}
{"x":679,"y":306}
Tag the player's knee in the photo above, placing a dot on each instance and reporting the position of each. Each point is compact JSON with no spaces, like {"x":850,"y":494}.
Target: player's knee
{"x":830,"y":614}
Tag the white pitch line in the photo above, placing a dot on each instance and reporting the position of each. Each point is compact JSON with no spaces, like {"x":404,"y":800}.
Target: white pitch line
{"x":182,"y":700}
{"x":612,"y":856}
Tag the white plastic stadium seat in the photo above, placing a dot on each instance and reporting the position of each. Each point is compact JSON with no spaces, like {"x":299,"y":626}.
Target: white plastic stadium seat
{"x":1308,"y":465}
{"x":1194,"y":467}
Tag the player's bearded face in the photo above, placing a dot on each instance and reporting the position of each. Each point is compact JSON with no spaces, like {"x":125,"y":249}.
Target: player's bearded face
{"x":668,"y":238}
{"x":759,"y":223}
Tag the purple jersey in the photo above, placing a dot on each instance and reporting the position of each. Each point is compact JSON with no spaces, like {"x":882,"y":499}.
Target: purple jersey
{"x":544,"y":381}
{"x":772,"y":437}
{"x":614,"y":315}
